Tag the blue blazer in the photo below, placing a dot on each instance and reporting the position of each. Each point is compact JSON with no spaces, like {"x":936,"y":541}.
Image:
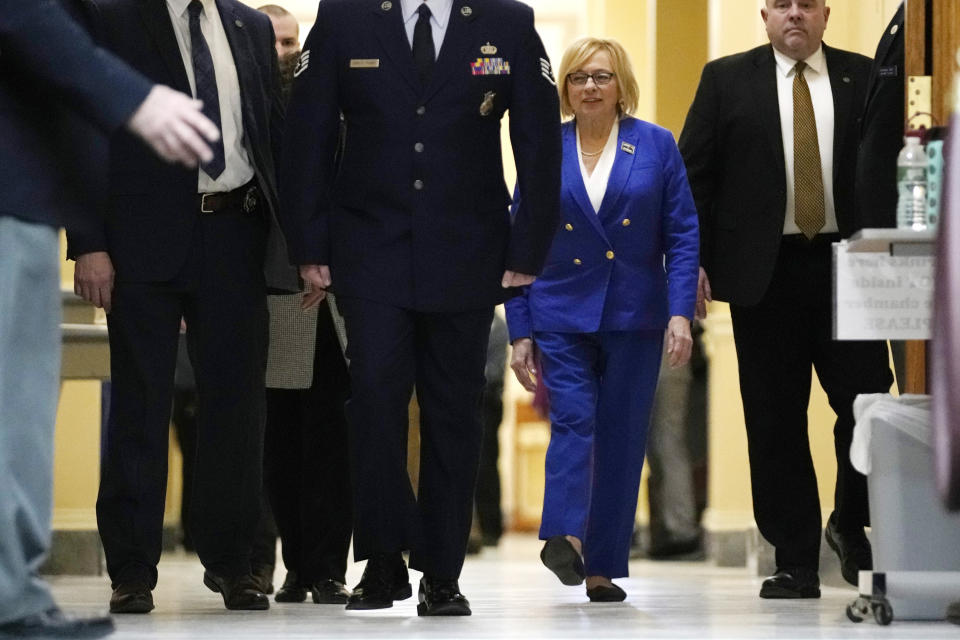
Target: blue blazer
{"x":630,"y":266}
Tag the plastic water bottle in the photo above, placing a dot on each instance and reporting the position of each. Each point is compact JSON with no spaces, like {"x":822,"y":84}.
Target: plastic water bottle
{"x":912,"y":185}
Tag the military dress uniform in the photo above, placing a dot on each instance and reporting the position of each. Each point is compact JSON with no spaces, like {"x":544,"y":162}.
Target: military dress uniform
{"x":414,"y":224}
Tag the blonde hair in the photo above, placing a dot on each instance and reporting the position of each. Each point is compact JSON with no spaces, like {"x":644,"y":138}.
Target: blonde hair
{"x":582,"y":50}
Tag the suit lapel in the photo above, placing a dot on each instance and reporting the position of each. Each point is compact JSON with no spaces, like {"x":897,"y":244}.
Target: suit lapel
{"x":156,"y":18}
{"x":456,"y":42}
{"x":883,"y":49}
{"x":768,"y":104}
{"x":573,"y":179}
{"x":387,"y":24}
{"x":842,"y":86}
{"x":622,"y":165}
{"x":239,"y":41}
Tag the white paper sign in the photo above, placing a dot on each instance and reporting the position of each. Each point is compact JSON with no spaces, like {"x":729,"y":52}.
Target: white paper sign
{"x":880,"y":297}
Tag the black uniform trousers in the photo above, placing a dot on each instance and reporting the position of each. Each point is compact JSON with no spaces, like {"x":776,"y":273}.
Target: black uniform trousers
{"x":489,"y":514}
{"x":307,"y":466}
{"x":777,"y":341}
{"x":443,"y":354}
{"x":221,"y":293}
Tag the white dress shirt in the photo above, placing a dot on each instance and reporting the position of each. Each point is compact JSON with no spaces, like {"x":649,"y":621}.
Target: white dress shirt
{"x":818,"y":80}
{"x":239,"y":169}
{"x":596,"y":182}
{"x":439,"y":19}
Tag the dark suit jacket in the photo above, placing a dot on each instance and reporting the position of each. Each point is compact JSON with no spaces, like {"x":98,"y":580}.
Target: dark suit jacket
{"x":881,"y":132}
{"x":149,"y":223}
{"x":733,"y":148}
{"x":55,"y":85}
{"x":417,"y":214}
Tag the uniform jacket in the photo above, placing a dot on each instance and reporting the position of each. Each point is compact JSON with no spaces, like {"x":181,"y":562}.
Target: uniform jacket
{"x":55,"y":88}
{"x":629,"y":266}
{"x":148,"y":224}
{"x":417,"y":214}
{"x":733,"y":148}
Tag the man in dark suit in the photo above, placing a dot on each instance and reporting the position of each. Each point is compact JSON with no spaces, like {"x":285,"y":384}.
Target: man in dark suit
{"x":59,"y":95}
{"x":770,"y":147}
{"x":414,"y":229}
{"x":202,"y":245}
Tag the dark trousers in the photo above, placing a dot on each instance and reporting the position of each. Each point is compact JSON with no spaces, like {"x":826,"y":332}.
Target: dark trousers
{"x":488,"y":478}
{"x":777,"y":342}
{"x":306,"y":465}
{"x":221,"y":292}
{"x":390,"y":350}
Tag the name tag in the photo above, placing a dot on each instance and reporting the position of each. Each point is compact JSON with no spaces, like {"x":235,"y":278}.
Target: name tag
{"x":888,"y":72}
{"x":627,"y":147}
{"x":364,"y":63}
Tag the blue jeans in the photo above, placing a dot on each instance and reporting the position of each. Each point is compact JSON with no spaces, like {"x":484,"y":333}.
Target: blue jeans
{"x":29,"y":382}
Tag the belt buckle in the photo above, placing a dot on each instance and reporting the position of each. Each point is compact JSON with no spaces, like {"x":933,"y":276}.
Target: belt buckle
{"x":203,"y":203}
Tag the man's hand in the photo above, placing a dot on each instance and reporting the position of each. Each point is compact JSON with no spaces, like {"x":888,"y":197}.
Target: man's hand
{"x":514,"y":279}
{"x":679,"y":341}
{"x":318,"y":277}
{"x":173,"y":125}
{"x":93,"y":279}
{"x":523,"y":363}
{"x":704,"y":295}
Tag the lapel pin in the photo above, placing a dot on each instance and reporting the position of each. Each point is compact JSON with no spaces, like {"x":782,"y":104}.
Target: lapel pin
{"x":487,"y":105}
{"x":466,"y":11}
{"x":629,"y":148}
{"x":894,"y":29}
{"x":488,"y":49}
{"x":846,"y":79}
{"x":387,"y":5}
{"x":239,"y":23}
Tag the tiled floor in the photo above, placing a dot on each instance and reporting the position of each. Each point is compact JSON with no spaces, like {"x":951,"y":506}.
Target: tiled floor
{"x":512,"y":596}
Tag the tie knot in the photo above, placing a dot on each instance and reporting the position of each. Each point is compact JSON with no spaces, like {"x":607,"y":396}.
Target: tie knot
{"x":797,"y":68}
{"x":195,"y":8}
{"x":423,"y":10}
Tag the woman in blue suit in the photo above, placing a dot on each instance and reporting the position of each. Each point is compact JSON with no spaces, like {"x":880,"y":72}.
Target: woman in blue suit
{"x":623,"y":267}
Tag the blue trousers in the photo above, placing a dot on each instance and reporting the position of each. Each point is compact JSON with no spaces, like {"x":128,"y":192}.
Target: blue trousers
{"x":29,"y":380}
{"x":601,"y":388}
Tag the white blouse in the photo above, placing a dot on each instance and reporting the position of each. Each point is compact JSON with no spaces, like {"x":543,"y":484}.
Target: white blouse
{"x":596,"y":182}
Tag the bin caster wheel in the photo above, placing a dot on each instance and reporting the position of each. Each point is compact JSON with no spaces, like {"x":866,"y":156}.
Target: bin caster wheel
{"x":858,"y":610}
{"x":882,"y":612}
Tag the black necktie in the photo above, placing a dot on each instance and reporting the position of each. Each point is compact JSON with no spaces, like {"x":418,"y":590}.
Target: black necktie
{"x":206,"y":81}
{"x":423,"y":52}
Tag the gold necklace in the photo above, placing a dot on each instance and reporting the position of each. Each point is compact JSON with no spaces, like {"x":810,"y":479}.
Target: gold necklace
{"x":590,"y":155}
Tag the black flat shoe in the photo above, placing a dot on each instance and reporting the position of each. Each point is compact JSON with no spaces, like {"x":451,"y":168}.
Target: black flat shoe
{"x":791,"y":583}
{"x":292,"y":590}
{"x":131,"y":597}
{"x":52,"y":623}
{"x":441,"y":598}
{"x":264,"y":579}
{"x":853,"y":549}
{"x":330,"y":591}
{"x":559,"y":556}
{"x":384,"y":580}
{"x":605,"y":593}
{"x":239,"y":594}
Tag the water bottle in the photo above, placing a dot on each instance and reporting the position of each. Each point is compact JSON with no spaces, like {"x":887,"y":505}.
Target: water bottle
{"x":912,"y":184}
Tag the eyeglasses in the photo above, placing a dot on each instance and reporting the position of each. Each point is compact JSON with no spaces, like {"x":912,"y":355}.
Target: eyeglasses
{"x":600,"y":78}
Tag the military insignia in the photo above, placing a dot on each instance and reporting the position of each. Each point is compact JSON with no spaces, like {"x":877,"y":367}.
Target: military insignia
{"x":547,"y":71}
{"x":629,"y":148}
{"x":302,"y":63}
{"x":487,"y":105}
{"x":488,"y":50}
{"x":387,"y":5}
{"x":364,"y":63}
{"x":466,"y":11}
{"x":490,"y":67}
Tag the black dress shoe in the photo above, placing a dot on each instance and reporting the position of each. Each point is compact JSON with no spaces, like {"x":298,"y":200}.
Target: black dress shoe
{"x":441,"y":598}
{"x":263,"y":576}
{"x":605,"y":593}
{"x":292,"y":590}
{"x":239,"y":594}
{"x":559,"y":556}
{"x":853,"y":549}
{"x":52,"y":623}
{"x":791,"y":583}
{"x":131,"y":597}
{"x":330,"y":591}
{"x":385,"y":579}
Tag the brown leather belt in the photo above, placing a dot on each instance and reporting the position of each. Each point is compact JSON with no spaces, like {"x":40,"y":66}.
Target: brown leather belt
{"x":246,"y":199}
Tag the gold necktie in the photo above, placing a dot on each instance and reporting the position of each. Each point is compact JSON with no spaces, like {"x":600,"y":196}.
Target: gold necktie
{"x":807,"y":172}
